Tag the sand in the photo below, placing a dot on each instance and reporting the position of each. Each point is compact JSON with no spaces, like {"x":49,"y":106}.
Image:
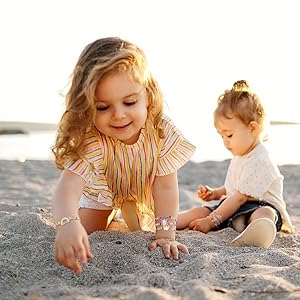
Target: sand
{"x":123,"y":268}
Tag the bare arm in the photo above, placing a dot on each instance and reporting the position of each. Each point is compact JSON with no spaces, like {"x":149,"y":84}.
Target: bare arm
{"x":71,"y":243}
{"x":66,"y":196}
{"x":223,"y":212}
{"x":221,"y":191}
{"x":166,"y":201}
{"x":207,"y":193}
{"x":231,"y":205}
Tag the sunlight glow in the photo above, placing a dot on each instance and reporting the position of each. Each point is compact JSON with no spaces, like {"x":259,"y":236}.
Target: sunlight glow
{"x":195,"y":50}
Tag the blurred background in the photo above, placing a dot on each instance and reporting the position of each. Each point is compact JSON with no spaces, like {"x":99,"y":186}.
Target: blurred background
{"x":196,"y":50}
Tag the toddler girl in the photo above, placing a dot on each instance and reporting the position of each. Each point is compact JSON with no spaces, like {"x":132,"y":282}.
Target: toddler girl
{"x":251,"y":199}
{"x":117,"y":151}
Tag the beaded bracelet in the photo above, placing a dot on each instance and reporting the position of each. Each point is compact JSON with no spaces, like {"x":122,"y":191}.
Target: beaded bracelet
{"x":216,"y":219}
{"x":165,"y":223}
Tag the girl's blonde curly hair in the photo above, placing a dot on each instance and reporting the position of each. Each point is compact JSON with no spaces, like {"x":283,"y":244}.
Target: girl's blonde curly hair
{"x":98,"y":60}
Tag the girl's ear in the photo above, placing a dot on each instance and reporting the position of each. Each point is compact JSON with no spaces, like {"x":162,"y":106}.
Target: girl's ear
{"x":253,"y":126}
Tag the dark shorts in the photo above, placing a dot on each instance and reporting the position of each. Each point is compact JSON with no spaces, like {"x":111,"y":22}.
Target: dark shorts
{"x":247,"y":209}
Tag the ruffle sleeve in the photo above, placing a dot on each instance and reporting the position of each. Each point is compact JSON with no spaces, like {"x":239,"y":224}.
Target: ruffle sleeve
{"x":86,"y":166}
{"x":175,"y":150}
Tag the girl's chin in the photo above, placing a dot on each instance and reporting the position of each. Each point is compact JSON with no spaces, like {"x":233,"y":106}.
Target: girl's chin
{"x":128,"y":140}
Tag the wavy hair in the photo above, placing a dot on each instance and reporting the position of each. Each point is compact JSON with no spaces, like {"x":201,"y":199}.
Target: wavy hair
{"x":240,"y":102}
{"x":98,"y":60}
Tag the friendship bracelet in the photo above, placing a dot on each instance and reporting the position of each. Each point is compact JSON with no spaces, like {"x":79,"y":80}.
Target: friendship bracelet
{"x":216,"y":219}
{"x":165,"y":223}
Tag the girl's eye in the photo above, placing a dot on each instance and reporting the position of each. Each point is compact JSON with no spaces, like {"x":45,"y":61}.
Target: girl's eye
{"x":102,"y":108}
{"x":130,"y":103}
{"x":229,"y":136}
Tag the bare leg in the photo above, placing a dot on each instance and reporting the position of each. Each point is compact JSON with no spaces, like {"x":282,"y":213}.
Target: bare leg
{"x":263,"y":212}
{"x":94,"y":219}
{"x":186,"y":217}
{"x":240,"y":223}
{"x":261,"y":230}
{"x":130,"y":215}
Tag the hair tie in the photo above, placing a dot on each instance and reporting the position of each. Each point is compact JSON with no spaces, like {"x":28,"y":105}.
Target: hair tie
{"x":241,"y":86}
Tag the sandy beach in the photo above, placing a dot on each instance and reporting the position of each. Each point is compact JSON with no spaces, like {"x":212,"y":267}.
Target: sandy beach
{"x":122,"y":267}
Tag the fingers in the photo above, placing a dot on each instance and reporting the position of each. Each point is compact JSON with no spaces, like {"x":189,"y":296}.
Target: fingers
{"x":170,"y":249}
{"x":201,"y":189}
{"x":208,"y":188}
{"x":183,"y":248}
{"x":59,"y":255}
{"x":72,"y":261}
{"x":192,"y":225}
{"x":86,"y":245}
{"x":204,"y":192}
{"x":166,"y":250}
{"x":81,"y":256}
{"x":67,"y":258}
{"x":74,"y":257}
{"x":172,"y":252}
{"x":152,"y":246}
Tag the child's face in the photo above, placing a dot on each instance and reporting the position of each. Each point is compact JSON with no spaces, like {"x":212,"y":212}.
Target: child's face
{"x":121,"y":105}
{"x":238,"y":137}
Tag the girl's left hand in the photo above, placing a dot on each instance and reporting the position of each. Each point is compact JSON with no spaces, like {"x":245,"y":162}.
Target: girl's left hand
{"x":204,"y":225}
{"x":169,"y":247}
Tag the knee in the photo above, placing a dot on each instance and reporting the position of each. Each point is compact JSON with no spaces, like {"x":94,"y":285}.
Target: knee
{"x":265,"y":212}
{"x":269,"y":212}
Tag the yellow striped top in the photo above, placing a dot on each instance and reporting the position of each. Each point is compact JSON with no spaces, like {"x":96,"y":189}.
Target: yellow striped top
{"x":115,"y":172}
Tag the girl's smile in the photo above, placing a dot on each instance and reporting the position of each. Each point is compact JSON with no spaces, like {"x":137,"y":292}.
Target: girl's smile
{"x":121,"y":127}
{"x":121,"y":105}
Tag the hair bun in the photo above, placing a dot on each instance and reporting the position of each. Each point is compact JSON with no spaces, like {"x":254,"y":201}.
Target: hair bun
{"x":241,"y":86}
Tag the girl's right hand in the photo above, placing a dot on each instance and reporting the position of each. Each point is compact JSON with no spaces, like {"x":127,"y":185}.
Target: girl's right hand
{"x":206,"y":193}
{"x":71,"y":246}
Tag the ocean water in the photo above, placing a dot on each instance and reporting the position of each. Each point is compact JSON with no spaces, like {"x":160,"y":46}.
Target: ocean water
{"x":34,"y":145}
{"x":282,"y":144}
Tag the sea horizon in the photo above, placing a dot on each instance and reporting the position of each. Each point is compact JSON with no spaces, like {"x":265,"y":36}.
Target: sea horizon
{"x":32,"y":141}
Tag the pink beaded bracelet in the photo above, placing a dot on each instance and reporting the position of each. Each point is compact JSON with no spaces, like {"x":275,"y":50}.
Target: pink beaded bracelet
{"x":166,"y":223}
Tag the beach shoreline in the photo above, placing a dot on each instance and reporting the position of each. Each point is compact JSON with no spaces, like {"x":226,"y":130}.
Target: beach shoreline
{"x":14,"y":127}
{"x":123,"y":268}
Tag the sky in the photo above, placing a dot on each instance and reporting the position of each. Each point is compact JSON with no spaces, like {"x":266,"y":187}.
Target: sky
{"x":196,"y":49}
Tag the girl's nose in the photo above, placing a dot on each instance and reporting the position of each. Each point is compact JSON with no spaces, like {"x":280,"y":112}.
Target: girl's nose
{"x":226,"y":143}
{"x":119,"y":114}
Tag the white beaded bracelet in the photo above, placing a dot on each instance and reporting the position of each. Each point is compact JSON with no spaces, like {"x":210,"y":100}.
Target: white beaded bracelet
{"x":215,"y":219}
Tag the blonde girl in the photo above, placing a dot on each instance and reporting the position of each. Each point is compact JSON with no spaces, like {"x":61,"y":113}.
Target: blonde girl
{"x":117,"y":151}
{"x":251,"y":200}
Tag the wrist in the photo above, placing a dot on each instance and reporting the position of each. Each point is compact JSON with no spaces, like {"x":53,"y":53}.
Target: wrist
{"x":209,"y":222}
{"x":165,"y":227}
{"x":217,"y":194}
{"x":65,"y":220}
{"x":165,"y":223}
{"x":164,"y":234}
{"x":214,"y":219}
